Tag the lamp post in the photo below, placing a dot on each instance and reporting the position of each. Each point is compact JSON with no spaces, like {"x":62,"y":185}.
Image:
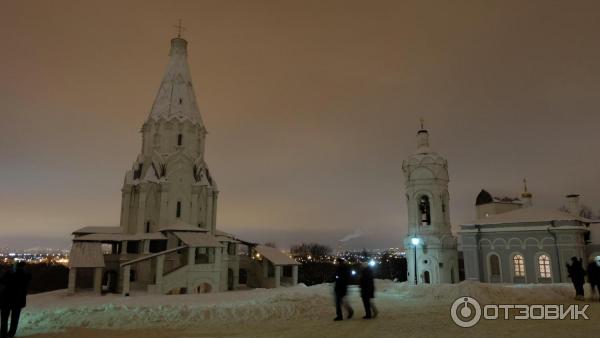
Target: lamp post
{"x":415,"y":241}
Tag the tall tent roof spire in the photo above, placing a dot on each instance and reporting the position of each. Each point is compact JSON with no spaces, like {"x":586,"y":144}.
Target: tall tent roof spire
{"x":176,"y":98}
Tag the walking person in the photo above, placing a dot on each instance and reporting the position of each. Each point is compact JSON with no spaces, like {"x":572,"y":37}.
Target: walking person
{"x":593,"y":273}
{"x":367,"y":291}
{"x":12,"y":299}
{"x":342,"y":279}
{"x":577,"y":275}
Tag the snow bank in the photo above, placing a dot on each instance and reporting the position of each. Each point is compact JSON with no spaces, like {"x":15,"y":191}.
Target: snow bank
{"x":55,"y":311}
{"x":483,"y":292}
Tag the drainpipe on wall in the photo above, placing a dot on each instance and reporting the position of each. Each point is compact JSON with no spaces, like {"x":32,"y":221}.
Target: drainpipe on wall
{"x":556,"y":251}
{"x":478,"y":240}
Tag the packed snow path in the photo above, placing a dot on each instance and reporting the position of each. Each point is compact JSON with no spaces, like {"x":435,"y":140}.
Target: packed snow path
{"x":421,"y":311}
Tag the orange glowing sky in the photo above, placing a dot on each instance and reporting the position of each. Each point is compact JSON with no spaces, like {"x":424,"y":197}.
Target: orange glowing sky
{"x":311,"y":106}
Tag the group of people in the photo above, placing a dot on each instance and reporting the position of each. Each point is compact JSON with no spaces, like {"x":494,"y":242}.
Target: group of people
{"x":577,"y":275}
{"x":13,"y":293}
{"x":343,"y":277}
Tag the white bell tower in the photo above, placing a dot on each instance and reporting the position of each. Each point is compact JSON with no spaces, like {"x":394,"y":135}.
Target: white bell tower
{"x":431,"y":248}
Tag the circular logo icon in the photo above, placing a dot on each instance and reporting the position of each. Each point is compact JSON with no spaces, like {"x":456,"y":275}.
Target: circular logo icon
{"x":465,"y":312}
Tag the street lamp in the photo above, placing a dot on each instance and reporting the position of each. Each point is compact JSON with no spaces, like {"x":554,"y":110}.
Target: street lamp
{"x":415,"y":241}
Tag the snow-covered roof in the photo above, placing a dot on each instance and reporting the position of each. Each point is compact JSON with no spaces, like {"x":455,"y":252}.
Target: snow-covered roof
{"x":175,"y":98}
{"x":86,"y":255}
{"x":224,"y":236}
{"x":275,"y":256}
{"x":195,"y":239}
{"x":97,"y":230}
{"x":182,"y":227}
{"x":119,"y":237}
{"x":529,"y":215}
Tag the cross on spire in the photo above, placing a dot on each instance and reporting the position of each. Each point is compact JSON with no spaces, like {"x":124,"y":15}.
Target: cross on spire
{"x":180,"y":29}
{"x":422,"y":120}
{"x":525,"y":185}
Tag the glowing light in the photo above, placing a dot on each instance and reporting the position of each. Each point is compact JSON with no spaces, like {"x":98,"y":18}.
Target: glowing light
{"x":372,"y":262}
{"x":353,"y":272}
{"x":309,"y":257}
{"x":415,"y":241}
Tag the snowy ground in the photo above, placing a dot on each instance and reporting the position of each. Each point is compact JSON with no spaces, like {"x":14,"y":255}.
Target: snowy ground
{"x":301,"y":311}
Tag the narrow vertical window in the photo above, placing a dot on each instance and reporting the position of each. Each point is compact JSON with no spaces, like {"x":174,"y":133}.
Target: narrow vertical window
{"x":424,"y":211}
{"x":544,"y":265}
{"x":179,"y":139}
{"x":178,"y":213}
{"x":519,"y":266}
{"x":180,"y":100}
{"x":148,"y":226}
{"x":495,"y":269}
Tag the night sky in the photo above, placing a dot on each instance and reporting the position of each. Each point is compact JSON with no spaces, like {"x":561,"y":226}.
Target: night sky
{"x":311,"y":106}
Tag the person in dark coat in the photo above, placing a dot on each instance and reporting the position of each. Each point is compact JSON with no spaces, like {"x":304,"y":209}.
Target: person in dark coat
{"x":13,"y":299}
{"x":593,"y":273}
{"x":577,"y":275}
{"x":342,"y":279}
{"x":367,"y":291}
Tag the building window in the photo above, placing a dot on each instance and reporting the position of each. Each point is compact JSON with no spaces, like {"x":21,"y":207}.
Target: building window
{"x":133,"y":247}
{"x":179,"y":139}
{"x":519,"y":265}
{"x":148,"y":226}
{"x":424,"y":211}
{"x":231,"y":249}
{"x":158,"y":245}
{"x":495,"y":272}
{"x":180,"y":100}
{"x":544,"y":266}
{"x":204,"y":256}
{"x":178,"y":212}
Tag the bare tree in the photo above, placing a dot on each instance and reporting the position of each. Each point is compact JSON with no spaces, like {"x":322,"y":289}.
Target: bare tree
{"x":315,"y":250}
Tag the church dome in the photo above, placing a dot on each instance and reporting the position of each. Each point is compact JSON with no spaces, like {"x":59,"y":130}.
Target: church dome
{"x":484,"y":197}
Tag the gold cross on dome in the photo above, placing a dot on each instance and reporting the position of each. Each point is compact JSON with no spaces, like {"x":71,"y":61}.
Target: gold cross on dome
{"x":179,"y":28}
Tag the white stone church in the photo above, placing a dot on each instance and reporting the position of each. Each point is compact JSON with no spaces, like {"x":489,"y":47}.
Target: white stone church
{"x":168,"y":241}
{"x":510,"y":241}
{"x":431,"y":249}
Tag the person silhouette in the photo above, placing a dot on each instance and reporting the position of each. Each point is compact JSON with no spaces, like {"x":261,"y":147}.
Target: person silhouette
{"x":367,"y":291}
{"x":342,"y":279}
{"x":13,"y":298}
{"x":577,"y":275}
{"x":593,"y":273}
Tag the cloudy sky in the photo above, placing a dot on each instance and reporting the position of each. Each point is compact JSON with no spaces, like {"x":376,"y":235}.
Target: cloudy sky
{"x":311,"y":106}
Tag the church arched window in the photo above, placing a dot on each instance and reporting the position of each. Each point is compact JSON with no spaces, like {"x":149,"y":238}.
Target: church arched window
{"x":544,"y":267}
{"x":519,"y":265}
{"x":179,"y":139}
{"x":178,"y":212}
{"x":495,"y":271}
{"x":424,"y":211}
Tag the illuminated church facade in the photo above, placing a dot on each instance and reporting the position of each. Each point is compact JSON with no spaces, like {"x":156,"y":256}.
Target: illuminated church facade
{"x":167,"y":240}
